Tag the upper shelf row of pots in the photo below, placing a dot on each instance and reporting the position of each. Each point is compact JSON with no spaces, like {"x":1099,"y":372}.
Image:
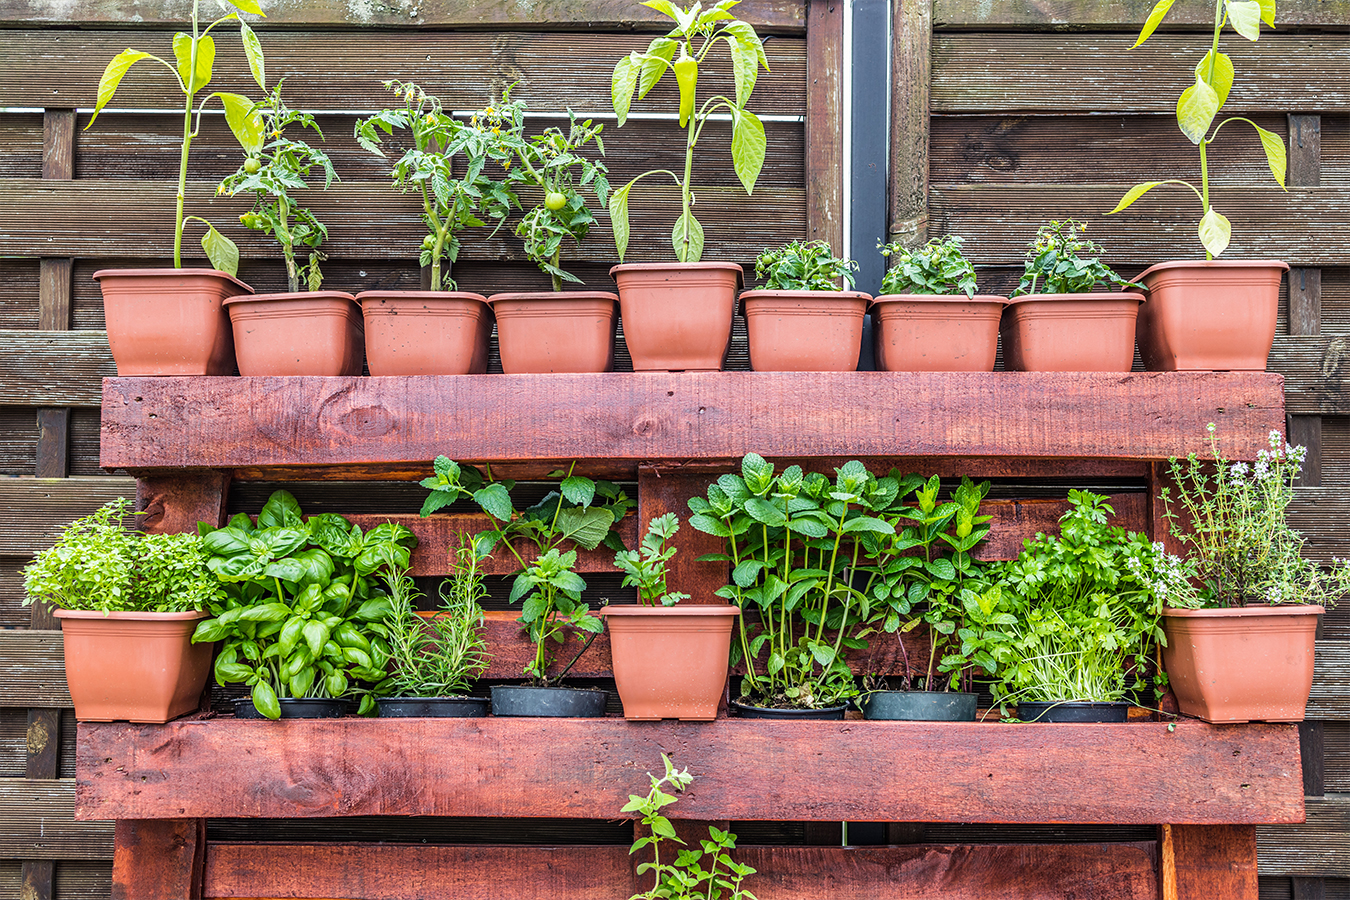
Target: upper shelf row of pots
{"x":485,"y":170}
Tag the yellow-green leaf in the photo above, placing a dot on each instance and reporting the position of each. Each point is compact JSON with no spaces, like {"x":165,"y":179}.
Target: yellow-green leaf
{"x":253,"y":52}
{"x":206,"y":58}
{"x":1196,"y":109}
{"x":248,"y":6}
{"x":655,"y":62}
{"x":112,"y":77}
{"x":1268,"y":12}
{"x":245,"y":121}
{"x":222,"y":252}
{"x":1215,"y":232}
{"x":1245,"y":17}
{"x":748,"y":146}
{"x":1155,"y":18}
{"x":1276,"y":157}
{"x":618,"y":218}
{"x":622,"y":83}
{"x":1134,"y":194}
{"x":687,"y":239}
{"x":1223,"y":73}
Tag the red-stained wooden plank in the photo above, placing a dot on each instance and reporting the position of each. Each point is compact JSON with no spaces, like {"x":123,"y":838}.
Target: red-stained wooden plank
{"x":510,"y":650}
{"x":805,"y":771}
{"x":665,"y":491}
{"x":158,"y":859}
{"x":175,"y":503}
{"x":249,"y":422}
{"x":1125,"y":871}
{"x":1203,"y":861}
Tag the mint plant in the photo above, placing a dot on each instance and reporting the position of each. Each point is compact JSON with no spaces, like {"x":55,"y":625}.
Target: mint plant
{"x":645,"y":568}
{"x":1057,"y":262}
{"x":281,"y":167}
{"x":451,"y":164}
{"x":686,"y":878}
{"x":804,"y":266}
{"x":1199,"y":105}
{"x":697,"y":31}
{"x":195,"y":55}
{"x":938,"y":267}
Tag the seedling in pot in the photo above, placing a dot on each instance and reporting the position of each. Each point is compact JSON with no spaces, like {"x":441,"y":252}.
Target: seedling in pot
{"x":697,"y":31}
{"x":455,"y":194}
{"x":645,"y":568}
{"x":804,"y":266}
{"x":271,"y":175}
{"x":938,"y":267}
{"x":1199,"y":105}
{"x":1057,"y":262}
{"x":195,"y":55}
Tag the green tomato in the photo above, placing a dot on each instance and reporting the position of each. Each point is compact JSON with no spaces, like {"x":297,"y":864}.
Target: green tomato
{"x":428,"y":243}
{"x":252,"y":165}
{"x":555,"y":201}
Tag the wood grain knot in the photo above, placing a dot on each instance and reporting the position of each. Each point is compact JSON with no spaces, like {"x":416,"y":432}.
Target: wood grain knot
{"x":367,"y":421}
{"x":645,"y":426}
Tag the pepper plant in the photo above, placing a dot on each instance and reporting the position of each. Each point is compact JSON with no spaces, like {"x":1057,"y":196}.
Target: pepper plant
{"x":804,"y":266}
{"x":299,"y":602}
{"x":582,"y":512}
{"x":452,"y":164}
{"x":195,"y":56}
{"x":938,"y":267}
{"x":1057,"y":262}
{"x":697,"y":31}
{"x":1199,"y":105}
{"x":281,"y":167}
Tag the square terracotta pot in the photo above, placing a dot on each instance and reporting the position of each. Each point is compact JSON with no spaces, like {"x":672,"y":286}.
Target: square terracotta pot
{"x":169,"y":321}
{"x":305,"y":333}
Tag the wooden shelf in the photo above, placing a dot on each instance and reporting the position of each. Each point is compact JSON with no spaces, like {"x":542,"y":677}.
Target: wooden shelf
{"x":585,"y":768}
{"x":619,"y":421}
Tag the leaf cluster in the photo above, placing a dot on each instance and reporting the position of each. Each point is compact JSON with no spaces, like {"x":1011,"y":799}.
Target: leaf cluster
{"x":938,"y":267}
{"x":686,"y":878}
{"x":303,"y":602}
{"x":1058,"y":262}
{"x":582,"y":511}
{"x":804,"y":266}
{"x":645,"y":568}
{"x":96,"y":564}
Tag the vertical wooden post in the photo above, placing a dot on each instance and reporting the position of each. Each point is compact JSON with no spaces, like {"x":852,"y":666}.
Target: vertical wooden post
{"x":158,"y":859}
{"x":911,"y":62}
{"x":43,"y":740}
{"x":824,"y":122}
{"x":176,"y":503}
{"x":1207,"y":861}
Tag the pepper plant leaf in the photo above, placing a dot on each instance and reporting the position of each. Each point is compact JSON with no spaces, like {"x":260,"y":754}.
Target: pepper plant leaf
{"x":1160,"y":10}
{"x":248,"y":6}
{"x":622,"y":84}
{"x":1245,"y":17}
{"x":1276,"y":156}
{"x":1196,"y":109}
{"x":244,"y":121}
{"x":112,"y":77}
{"x":748,"y":146}
{"x":618,"y":217}
{"x":1215,"y":231}
{"x":198,"y":76}
{"x":686,"y":238}
{"x":1221,"y":78}
{"x":253,"y":52}
{"x":220,"y":250}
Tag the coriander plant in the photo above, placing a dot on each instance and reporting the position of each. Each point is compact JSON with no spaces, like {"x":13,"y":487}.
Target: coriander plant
{"x":1231,"y":516}
{"x":645,"y":568}
{"x":938,"y":267}
{"x":1057,"y":262}
{"x":685,"y":878}
{"x":697,"y":31}
{"x":281,"y":167}
{"x":448,"y":164}
{"x":195,"y":56}
{"x":1199,"y":105}
{"x":804,"y":266}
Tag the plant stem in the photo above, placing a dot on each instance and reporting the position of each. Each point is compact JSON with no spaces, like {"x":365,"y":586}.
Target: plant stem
{"x":188,"y":89}
{"x":686,"y":195}
{"x":557,"y":262}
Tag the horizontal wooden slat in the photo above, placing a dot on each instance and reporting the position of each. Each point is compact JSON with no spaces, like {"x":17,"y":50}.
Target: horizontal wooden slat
{"x":586,"y":768}
{"x":33,"y":510}
{"x":74,"y":218}
{"x":32,"y":669}
{"x":36,"y":822}
{"x":1116,"y":15}
{"x":328,"y":70}
{"x":1320,"y":847}
{"x":1317,"y":373}
{"x":1012,"y":73}
{"x":1319,"y":515}
{"x":384,"y":871}
{"x":300,"y":421}
{"x":1330,"y":697}
{"x":54,"y":368}
{"x":999,"y":221}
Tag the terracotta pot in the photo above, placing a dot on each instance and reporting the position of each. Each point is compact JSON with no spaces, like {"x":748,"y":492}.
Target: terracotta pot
{"x":670,"y":662}
{"x":1207,"y":316}
{"x":677,"y":316}
{"x":804,"y":331}
{"x":133,"y":666}
{"x":1241,"y":664}
{"x":570,"y":331}
{"x":426,"y":332}
{"x":306,"y":333}
{"x":169,"y":321}
{"x":1070,"y":332}
{"x":926,"y":333}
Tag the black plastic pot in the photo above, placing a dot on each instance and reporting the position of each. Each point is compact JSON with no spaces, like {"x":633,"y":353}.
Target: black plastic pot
{"x":433,"y":707}
{"x":555,"y":702}
{"x":1072,"y":711}
{"x":920,"y":706}
{"x":746,"y":711}
{"x":296,"y":708}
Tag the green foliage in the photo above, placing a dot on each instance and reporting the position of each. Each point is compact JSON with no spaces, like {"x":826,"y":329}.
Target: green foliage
{"x":685,"y":878}
{"x":96,"y":564}
{"x":1057,"y":262}
{"x":646,"y":569}
{"x":938,"y":267}
{"x":697,"y":31}
{"x":440,"y":655}
{"x":804,"y":266}
{"x":1199,"y":105}
{"x":582,"y":511}
{"x":281,"y":167}
{"x":458,"y":168}
{"x":1073,"y":617}
{"x":1232,"y":517}
{"x":303,"y":602}
{"x":194,"y":59}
